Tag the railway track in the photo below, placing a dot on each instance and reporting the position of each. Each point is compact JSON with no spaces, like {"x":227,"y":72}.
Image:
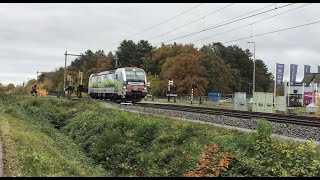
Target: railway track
{"x":312,"y":121}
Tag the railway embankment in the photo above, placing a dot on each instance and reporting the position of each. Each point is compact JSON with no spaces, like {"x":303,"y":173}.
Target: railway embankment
{"x":63,"y":137}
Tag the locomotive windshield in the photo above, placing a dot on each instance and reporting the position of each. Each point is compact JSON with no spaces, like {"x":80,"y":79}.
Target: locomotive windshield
{"x":136,"y":76}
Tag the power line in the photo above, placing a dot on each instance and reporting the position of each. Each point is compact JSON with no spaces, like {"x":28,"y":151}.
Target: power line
{"x":253,"y":22}
{"x":221,"y":22}
{"x":192,"y":22}
{"x":164,"y":21}
{"x":294,"y":27}
{"x":227,"y":23}
{"x":173,"y":17}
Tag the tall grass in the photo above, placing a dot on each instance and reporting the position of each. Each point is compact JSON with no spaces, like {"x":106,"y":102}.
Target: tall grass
{"x":33,"y":147}
{"x":128,"y":144}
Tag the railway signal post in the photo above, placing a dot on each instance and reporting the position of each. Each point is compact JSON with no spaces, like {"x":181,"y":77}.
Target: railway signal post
{"x":69,"y":87}
{"x":80,"y":87}
{"x":169,"y":94}
{"x":191,"y":95}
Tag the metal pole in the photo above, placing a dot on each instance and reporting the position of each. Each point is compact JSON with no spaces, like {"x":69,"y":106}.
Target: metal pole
{"x":168,"y":93}
{"x":191,"y":95}
{"x":116,"y":58}
{"x":81,"y":78}
{"x":288,"y":91}
{"x":254,"y":67}
{"x":275,"y":85}
{"x":316,"y":97}
{"x":65,"y":72}
{"x":313,"y":92}
{"x":303,"y":94}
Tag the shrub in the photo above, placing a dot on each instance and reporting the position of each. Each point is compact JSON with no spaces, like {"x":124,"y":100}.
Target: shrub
{"x":146,"y":132}
{"x":212,"y":163}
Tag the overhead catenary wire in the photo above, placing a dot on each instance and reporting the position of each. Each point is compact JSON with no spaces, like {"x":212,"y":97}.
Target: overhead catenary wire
{"x":192,"y":21}
{"x":216,"y":26}
{"x":163,"y":21}
{"x":271,"y":32}
{"x":250,"y":24}
{"x":219,"y":23}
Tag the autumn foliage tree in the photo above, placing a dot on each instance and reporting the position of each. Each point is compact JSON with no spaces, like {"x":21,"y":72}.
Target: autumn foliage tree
{"x":185,"y":69}
{"x":211,"y":163}
{"x":214,"y":67}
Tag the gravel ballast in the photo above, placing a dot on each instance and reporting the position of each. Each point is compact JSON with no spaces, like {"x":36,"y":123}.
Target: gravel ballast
{"x":283,"y":129}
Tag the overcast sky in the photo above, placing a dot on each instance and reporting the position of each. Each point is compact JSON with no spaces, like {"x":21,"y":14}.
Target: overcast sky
{"x":34,"y":37}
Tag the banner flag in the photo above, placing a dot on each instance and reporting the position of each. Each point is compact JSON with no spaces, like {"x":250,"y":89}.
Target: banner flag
{"x":306,"y":70}
{"x":279,"y":73}
{"x":293,"y":74}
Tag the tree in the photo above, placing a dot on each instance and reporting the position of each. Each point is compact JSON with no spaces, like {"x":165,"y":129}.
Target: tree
{"x":112,"y":58}
{"x":10,"y":86}
{"x":185,"y":69}
{"x":103,"y":64}
{"x":143,"y":48}
{"x":154,"y":81}
{"x":126,"y":53}
{"x":41,"y":77}
{"x":54,"y":80}
{"x":131,"y":54}
{"x":241,"y":60}
{"x":156,"y":58}
{"x":221,"y":77}
{"x":264,"y":80}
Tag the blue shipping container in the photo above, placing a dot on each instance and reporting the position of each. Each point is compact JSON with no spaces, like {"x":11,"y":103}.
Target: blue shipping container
{"x":214,"y":97}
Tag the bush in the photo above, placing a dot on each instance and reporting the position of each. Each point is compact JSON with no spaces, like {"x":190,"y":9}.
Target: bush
{"x":212,"y":163}
{"x":137,"y":145}
{"x":146,"y":133}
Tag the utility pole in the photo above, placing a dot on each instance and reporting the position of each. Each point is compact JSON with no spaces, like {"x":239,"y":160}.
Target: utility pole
{"x":65,"y":70}
{"x":64,"y":74}
{"x":254,"y":67}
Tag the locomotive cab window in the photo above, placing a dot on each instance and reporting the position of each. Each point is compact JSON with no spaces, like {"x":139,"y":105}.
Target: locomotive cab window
{"x":135,"y":75}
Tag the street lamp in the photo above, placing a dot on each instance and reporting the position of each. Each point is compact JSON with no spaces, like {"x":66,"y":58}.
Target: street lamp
{"x":116,"y":58}
{"x":254,"y":67}
{"x":65,"y":69}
